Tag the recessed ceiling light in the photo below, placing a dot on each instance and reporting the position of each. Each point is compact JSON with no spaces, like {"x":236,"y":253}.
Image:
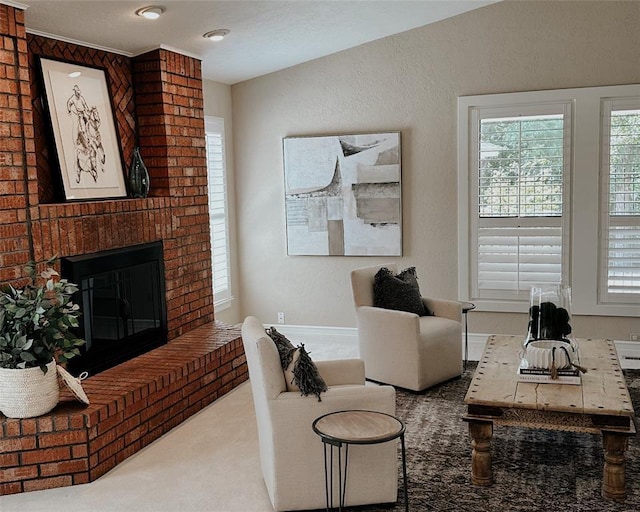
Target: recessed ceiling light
{"x":216,"y":35}
{"x":151,"y":12}
{"x":75,"y":74}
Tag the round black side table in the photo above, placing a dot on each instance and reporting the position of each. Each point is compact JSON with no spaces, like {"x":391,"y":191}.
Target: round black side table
{"x":342,"y":428}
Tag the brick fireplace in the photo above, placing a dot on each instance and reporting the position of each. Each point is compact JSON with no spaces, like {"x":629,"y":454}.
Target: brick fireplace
{"x":157,"y":99}
{"x":158,"y":104}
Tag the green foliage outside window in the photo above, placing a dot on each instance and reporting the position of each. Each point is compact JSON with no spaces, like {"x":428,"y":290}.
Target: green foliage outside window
{"x":521,"y":166}
{"x":624,"y":163}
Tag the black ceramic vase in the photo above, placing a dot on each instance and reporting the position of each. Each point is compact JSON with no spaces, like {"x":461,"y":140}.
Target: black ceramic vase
{"x":138,"y":176}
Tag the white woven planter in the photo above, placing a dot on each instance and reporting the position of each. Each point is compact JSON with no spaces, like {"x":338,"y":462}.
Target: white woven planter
{"x":25,"y":393}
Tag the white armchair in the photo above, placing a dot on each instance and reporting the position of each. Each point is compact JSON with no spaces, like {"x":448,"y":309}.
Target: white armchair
{"x":404,"y":349}
{"x":291,"y":454}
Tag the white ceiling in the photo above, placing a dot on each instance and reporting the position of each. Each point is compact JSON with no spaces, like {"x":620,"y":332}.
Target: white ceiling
{"x":266,"y":35}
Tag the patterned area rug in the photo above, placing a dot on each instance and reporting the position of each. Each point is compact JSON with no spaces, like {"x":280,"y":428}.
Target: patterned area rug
{"x":534,"y":470}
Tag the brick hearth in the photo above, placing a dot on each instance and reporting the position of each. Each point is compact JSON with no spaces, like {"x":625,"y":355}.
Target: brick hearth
{"x":132,"y":405}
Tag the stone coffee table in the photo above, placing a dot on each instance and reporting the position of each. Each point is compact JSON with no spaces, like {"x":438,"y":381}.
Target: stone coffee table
{"x":600,"y":405}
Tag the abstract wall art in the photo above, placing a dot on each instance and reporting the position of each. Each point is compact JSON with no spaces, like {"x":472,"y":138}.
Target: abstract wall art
{"x":343,"y":195}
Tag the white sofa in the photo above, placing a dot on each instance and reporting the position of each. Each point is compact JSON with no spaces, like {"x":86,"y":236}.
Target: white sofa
{"x":291,"y":454}
{"x":404,"y":349}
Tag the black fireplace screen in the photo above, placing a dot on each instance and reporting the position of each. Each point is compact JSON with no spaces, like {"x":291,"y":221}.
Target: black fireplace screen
{"x":122,"y":298}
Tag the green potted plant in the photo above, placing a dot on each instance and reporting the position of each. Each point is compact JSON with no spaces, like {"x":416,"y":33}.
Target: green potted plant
{"x":36,"y":332}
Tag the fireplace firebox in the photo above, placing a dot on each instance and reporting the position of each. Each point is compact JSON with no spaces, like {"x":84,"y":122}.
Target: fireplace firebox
{"x":123,"y":303}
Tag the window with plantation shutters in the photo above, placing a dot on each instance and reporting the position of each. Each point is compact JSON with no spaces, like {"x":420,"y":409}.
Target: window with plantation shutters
{"x":620,"y":233}
{"x":519,"y":162}
{"x":218,"y":222}
{"x":549,"y":192}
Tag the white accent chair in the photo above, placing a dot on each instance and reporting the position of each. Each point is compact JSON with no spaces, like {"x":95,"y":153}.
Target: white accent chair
{"x":291,"y":454}
{"x":404,"y":349}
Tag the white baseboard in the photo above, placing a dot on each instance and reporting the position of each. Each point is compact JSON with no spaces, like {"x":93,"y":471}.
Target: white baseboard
{"x":346,"y":335}
{"x":628,"y":351}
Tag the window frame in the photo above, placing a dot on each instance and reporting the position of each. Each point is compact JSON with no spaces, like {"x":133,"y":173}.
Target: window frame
{"x":583,"y":249}
{"x":496,"y":300}
{"x":223,"y":298}
{"x":609,"y":105}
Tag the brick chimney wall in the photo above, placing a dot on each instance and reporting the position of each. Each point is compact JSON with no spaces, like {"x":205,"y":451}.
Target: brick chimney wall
{"x":17,"y":158}
{"x":157,"y":98}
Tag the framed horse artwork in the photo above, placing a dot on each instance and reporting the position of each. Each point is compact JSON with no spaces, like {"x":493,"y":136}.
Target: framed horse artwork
{"x":84,"y":131}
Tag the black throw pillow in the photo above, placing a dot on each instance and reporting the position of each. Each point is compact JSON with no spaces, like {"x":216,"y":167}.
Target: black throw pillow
{"x":300,"y":372}
{"x":284,"y":346}
{"x":400,"y":292}
{"x":303,"y":375}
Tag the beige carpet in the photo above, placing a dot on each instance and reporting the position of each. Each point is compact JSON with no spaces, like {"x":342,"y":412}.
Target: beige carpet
{"x":209,"y":463}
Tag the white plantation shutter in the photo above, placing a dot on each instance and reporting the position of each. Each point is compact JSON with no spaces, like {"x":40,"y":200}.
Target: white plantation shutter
{"x":620,"y":239}
{"x":511,"y":260}
{"x":218,"y":224}
{"x":519,"y":180}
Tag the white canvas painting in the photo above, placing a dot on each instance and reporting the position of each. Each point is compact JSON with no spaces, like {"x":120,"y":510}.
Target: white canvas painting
{"x":343,"y":195}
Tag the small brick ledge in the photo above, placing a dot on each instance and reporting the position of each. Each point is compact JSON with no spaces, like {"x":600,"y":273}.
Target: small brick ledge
{"x":132,"y":405}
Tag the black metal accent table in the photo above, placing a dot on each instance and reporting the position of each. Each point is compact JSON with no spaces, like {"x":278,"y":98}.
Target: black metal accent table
{"x":356,"y":427}
{"x":466,"y":307}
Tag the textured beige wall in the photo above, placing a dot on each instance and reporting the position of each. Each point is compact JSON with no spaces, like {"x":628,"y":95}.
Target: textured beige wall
{"x":410,"y":82}
{"x":217,"y":102}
